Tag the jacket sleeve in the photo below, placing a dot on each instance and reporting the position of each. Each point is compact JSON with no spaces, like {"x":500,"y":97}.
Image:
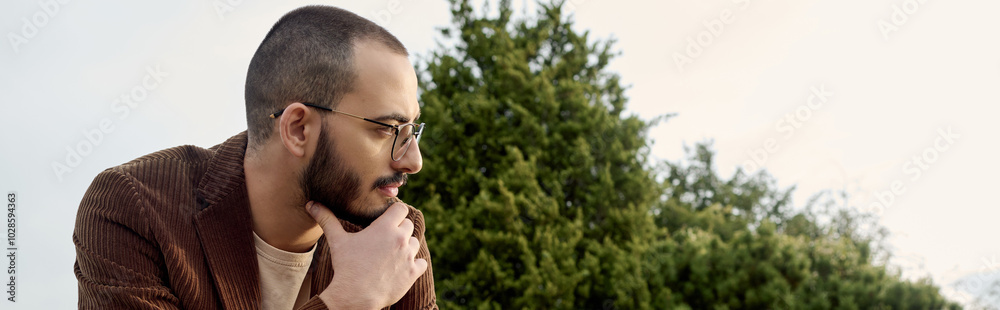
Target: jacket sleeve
{"x":118,"y":263}
{"x":421,"y":296}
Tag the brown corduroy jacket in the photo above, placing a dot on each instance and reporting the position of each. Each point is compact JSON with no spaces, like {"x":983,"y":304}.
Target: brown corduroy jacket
{"x":173,"y":229}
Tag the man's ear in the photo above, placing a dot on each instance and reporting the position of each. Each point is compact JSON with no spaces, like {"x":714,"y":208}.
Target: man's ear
{"x":296,"y":126}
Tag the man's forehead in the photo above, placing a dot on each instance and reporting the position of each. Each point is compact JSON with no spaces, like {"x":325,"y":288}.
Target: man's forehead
{"x":386,"y":87}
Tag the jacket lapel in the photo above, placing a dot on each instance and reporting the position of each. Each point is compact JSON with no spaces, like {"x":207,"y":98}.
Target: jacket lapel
{"x":225,"y":226}
{"x":321,"y":268}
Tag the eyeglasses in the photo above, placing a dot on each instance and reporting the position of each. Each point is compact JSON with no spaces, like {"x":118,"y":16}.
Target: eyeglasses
{"x":409,"y":132}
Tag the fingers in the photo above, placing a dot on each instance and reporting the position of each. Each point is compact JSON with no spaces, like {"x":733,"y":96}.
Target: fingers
{"x":393,"y":216}
{"x":421,"y":267}
{"x":414,"y":246}
{"x":325,"y":218}
{"x":406,"y":226}
{"x":419,"y":264}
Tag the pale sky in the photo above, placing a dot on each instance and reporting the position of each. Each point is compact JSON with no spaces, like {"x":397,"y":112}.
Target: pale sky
{"x":886,"y":84}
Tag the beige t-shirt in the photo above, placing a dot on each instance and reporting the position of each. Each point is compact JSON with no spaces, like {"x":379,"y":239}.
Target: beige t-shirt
{"x":284,"y":276}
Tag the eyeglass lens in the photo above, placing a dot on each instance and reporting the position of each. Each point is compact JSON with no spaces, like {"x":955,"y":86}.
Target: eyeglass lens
{"x":403,"y":139}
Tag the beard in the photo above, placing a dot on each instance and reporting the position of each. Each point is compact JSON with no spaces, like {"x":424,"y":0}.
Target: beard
{"x":329,"y":181}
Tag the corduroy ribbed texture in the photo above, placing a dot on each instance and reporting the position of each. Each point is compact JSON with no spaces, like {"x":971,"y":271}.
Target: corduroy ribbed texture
{"x":173,"y":230}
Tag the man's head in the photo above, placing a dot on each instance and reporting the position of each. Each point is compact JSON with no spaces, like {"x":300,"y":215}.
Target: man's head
{"x":333,"y":59}
{"x":308,"y":56}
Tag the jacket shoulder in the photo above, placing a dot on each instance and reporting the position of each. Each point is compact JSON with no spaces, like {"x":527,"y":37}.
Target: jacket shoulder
{"x":186,"y":154}
{"x":163,"y":179}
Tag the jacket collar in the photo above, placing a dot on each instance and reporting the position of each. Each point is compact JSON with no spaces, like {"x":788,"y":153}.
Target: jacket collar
{"x":224,"y":226}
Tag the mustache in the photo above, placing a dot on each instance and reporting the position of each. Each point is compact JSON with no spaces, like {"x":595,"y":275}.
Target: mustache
{"x":397,"y":178}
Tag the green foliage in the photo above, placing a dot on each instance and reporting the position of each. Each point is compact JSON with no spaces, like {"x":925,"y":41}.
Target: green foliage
{"x":538,"y":194}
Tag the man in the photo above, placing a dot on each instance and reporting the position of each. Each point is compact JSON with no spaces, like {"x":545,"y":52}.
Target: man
{"x":299,"y":211}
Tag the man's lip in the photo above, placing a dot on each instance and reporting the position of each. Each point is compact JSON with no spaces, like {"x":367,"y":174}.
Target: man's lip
{"x":390,"y":190}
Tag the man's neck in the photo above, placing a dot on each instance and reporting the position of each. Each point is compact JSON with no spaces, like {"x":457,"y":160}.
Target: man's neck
{"x":277,"y":207}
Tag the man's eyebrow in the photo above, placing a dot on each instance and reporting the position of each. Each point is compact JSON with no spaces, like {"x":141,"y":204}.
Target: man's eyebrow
{"x":402,"y":119}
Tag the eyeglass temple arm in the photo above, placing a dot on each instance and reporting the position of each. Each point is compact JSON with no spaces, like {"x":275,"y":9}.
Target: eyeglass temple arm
{"x":276,"y":114}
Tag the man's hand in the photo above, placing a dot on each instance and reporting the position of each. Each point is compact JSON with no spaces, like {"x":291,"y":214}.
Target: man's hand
{"x":375,"y":267}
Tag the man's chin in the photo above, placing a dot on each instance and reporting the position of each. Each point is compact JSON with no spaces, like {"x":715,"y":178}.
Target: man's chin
{"x":385,"y":206}
{"x":363,"y":219}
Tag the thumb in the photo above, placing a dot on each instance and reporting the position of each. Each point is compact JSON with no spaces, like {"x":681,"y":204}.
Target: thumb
{"x":327,"y":221}
{"x":421,"y":265}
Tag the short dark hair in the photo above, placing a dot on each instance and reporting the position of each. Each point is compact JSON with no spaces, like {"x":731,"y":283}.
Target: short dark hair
{"x":308,"y":56}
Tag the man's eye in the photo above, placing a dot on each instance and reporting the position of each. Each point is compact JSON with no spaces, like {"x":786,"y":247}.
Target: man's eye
{"x":385,"y":130}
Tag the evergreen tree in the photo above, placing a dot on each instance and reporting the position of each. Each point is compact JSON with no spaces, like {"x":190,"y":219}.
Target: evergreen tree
{"x":538,"y":193}
{"x":739,"y":245}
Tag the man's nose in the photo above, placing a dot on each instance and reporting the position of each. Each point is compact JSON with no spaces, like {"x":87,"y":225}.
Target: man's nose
{"x":411,"y":162}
